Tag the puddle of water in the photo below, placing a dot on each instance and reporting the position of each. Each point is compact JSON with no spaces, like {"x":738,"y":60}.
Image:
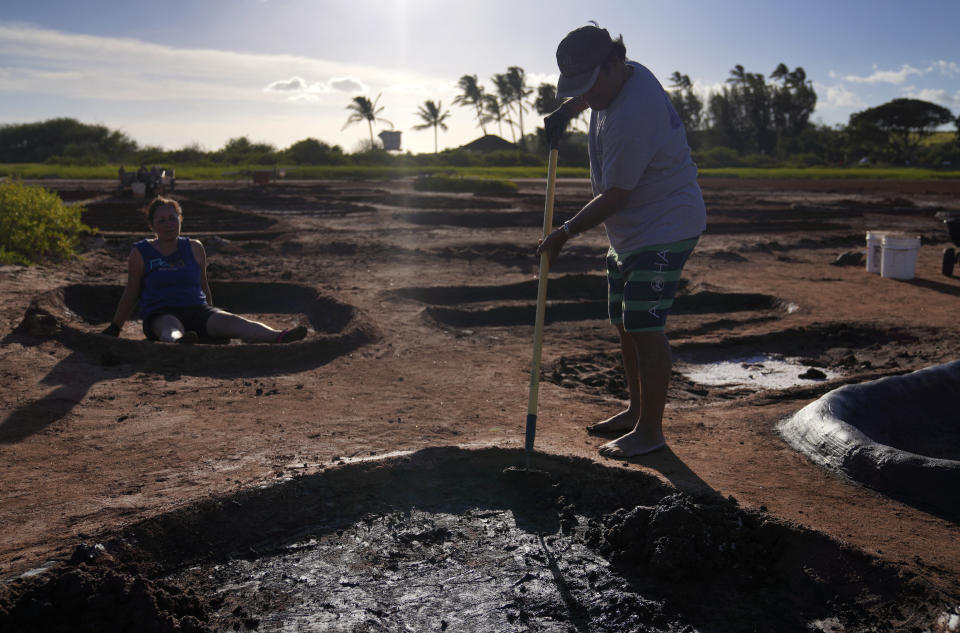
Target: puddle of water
{"x":764,"y":371}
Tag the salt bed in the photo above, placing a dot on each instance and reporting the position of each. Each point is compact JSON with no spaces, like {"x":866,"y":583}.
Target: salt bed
{"x":765,"y":371}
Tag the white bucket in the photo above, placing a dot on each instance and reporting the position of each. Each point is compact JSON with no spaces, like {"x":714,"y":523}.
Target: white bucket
{"x":874,"y":250}
{"x":139,"y":189}
{"x":899,"y":256}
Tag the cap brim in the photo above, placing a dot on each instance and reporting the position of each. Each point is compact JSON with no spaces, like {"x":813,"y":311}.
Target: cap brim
{"x":578,"y":84}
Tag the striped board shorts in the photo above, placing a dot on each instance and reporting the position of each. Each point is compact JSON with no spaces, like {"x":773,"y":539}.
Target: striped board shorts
{"x":642,"y":283}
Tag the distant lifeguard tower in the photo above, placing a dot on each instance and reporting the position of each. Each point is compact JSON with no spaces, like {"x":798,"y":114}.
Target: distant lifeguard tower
{"x":390,"y":140}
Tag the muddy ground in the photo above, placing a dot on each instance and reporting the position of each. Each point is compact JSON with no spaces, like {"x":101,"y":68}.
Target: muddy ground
{"x":361,"y":479}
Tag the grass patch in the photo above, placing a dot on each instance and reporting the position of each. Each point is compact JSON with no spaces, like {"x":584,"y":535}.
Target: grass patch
{"x":40,"y":171}
{"x":938,"y":138}
{"x":827,"y":173}
{"x":459,"y":184}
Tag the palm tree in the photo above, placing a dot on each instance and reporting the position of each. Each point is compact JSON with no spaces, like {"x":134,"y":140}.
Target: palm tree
{"x":494,"y":109}
{"x":505,"y":92}
{"x":362,"y":109}
{"x":473,"y":95}
{"x":547,"y":100}
{"x":517,"y":79}
{"x":433,"y":116}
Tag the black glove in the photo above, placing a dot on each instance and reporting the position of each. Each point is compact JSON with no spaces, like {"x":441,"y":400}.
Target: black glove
{"x":112,"y":330}
{"x":555,"y":123}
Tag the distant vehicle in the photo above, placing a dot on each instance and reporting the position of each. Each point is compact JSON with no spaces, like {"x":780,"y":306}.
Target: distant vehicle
{"x":146,"y":183}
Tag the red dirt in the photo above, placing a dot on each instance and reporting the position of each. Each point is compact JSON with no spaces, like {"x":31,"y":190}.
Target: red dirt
{"x":89,"y":447}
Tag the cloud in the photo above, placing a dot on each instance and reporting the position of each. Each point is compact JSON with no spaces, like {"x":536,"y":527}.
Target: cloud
{"x":294,"y":84}
{"x":347,"y":84}
{"x":299,"y":89}
{"x":899,"y":77}
{"x":838,"y":96}
{"x":93,"y":67}
{"x":950,"y":69}
{"x":887,"y":76}
{"x":933,"y":95}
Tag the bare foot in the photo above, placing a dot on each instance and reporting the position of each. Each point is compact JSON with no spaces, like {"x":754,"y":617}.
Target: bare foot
{"x":620,"y":423}
{"x":632,"y":444}
{"x":293,"y":334}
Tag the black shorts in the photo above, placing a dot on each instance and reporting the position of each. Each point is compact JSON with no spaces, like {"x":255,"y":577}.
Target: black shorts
{"x":193,"y":318}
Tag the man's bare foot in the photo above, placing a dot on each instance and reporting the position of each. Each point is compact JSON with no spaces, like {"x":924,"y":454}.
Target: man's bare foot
{"x":620,"y":423}
{"x":632,"y":444}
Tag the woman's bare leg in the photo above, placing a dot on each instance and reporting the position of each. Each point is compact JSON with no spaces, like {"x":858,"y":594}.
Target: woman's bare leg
{"x":227,"y":325}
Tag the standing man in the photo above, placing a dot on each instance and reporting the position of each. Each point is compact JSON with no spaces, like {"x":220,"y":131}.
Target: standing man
{"x":646,"y":196}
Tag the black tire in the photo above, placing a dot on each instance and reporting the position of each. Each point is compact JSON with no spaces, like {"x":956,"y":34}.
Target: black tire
{"x":949,"y":259}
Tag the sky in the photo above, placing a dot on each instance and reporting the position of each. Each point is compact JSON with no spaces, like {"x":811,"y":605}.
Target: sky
{"x":200,"y":72}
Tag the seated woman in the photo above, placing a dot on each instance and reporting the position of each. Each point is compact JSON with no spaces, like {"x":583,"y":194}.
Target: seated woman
{"x":167,"y":277}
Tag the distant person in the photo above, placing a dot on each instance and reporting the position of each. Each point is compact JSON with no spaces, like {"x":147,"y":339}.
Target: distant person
{"x":646,"y":195}
{"x":142,"y":174}
{"x":167,"y":279}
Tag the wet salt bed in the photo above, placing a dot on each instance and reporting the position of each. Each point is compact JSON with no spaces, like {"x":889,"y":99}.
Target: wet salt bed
{"x":763,"y":371}
{"x":425,"y":571}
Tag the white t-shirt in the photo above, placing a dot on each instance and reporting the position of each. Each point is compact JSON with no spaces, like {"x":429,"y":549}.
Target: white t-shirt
{"x":638,"y":143}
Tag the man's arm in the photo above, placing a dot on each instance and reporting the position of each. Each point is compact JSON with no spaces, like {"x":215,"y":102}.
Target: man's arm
{"x":592,"y":214}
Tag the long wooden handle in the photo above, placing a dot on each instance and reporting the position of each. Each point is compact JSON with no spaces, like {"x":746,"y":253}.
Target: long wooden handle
{"x":541,"y":305}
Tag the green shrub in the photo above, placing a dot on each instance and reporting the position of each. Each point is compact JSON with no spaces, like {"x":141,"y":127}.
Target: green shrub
{"x":717,"y":157}
{"x":377,"y":157}
{"x":760,"y":161}
{"x":457,"y":184}
{"x":507,"y":158}
{"x":36,"y":225}
{"x":805,"y":159}
{"x":454,"y":157}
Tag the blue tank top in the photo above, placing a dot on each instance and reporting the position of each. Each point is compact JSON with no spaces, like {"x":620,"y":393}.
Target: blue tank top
{"x":169,"y":280}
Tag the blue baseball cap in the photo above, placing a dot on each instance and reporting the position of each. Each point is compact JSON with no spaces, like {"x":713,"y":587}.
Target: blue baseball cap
{"x":579,"y":56}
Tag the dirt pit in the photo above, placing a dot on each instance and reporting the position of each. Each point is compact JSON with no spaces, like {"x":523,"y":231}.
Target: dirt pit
{"x":570,"y":297}
{"x":77,"y":313}
{"x":858,"y":430}
{"x":446,"y":539}
{"x":122,"y":215}
{"x":362,"y":487}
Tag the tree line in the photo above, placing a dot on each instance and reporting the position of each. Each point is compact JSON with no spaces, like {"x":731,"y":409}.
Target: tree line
{"x":753,"y":120}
